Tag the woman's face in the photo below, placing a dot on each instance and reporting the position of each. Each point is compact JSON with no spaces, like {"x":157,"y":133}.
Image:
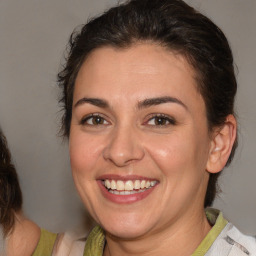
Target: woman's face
{"x":139,"y":141}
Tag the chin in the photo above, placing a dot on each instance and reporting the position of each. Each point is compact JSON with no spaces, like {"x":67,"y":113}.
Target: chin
{"x":127,"y":234}
{"x":126,"y":228}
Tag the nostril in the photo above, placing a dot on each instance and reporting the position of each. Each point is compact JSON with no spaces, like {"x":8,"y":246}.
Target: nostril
{"x":123,"y":159}
{"x":123,"y":150}
{"x":124,"y":144}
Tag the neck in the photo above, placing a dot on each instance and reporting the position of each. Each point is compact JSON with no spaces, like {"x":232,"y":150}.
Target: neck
{"x":180,"y":239}
{"x":24,"y":237}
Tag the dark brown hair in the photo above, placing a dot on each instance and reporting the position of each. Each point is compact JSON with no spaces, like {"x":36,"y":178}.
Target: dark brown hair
{"x":10,"y":192}
{"x":177,"y":27}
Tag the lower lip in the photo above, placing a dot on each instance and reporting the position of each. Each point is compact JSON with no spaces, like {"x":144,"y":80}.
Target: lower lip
{"x":124,"y":199}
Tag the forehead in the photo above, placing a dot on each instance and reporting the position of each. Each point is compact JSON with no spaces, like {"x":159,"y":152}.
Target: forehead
{"x":140,"y":71}
{"x":146,"y":57}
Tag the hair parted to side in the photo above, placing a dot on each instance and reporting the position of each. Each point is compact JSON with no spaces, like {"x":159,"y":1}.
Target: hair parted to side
{"x":10,"y":192}
{"x":177,"y":27}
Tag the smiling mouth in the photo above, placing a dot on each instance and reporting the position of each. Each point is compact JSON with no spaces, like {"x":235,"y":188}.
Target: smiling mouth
{"x":129,"y":187}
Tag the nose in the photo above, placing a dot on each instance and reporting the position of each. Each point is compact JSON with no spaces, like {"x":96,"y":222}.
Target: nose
{"x":123,"y":147}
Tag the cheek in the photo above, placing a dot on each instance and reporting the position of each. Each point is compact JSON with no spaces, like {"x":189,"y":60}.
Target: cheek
{"x":178,"y":153}
{"x":181,"y":163}
{"x":166,"y":150}
{"x":84,"y":152}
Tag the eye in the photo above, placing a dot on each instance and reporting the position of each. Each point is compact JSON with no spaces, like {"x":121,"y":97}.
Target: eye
{"x":161,"y":120}
{"x":94,"y":119}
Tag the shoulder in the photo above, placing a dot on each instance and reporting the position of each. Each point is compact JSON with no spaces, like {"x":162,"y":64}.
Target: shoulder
{"x":24,"y":237}
{"x":232,"y":242}
{"x":245,"y":242}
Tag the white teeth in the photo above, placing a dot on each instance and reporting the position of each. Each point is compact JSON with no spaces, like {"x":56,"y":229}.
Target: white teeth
{"x":128,"y":185}
{"x":120,"y":186}
{"x":152,"y":183}
{"x":126,"y":192}
{"x":113,"y":184}
{"x":137,"y":184}
{"x":107,"y":184}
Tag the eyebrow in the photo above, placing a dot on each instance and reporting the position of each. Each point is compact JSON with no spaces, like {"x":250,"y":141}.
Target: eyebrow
{"x":94,"y":101}
{"x":160,"y":100}
{"x":142,"y":104}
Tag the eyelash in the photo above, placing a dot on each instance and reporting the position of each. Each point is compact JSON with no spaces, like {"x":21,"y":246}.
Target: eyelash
{"x":85,"y":120}
{"x":162,"y":117}
{"x":153,"y":117}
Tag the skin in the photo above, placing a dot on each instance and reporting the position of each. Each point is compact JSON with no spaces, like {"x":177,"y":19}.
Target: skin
{"x":24,"y":237}
{"x":129,"y":141}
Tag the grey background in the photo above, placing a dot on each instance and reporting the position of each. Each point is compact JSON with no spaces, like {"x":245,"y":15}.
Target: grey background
{"x":33,"y":36}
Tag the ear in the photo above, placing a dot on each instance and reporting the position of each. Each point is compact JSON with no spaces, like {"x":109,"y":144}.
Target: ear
{"x":223,"y":139}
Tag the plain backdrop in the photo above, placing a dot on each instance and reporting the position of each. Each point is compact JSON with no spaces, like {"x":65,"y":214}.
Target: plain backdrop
{"x":33,"y":37}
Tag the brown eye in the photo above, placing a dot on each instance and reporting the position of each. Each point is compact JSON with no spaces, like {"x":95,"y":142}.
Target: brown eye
{"x":94,"y":120}
{"x":160,"y":121}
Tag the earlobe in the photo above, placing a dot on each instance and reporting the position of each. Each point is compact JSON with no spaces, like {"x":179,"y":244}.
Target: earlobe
{"x":221,"y":145}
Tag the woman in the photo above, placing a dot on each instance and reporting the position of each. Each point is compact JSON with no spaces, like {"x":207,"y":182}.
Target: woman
{"x":19,"y":236}
{"x":148,"y":96}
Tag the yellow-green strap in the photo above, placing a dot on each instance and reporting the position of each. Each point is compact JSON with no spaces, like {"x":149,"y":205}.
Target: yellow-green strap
{"x":95,"y":242}
{"x":212,"y":235}
{"x":45,"y":244}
